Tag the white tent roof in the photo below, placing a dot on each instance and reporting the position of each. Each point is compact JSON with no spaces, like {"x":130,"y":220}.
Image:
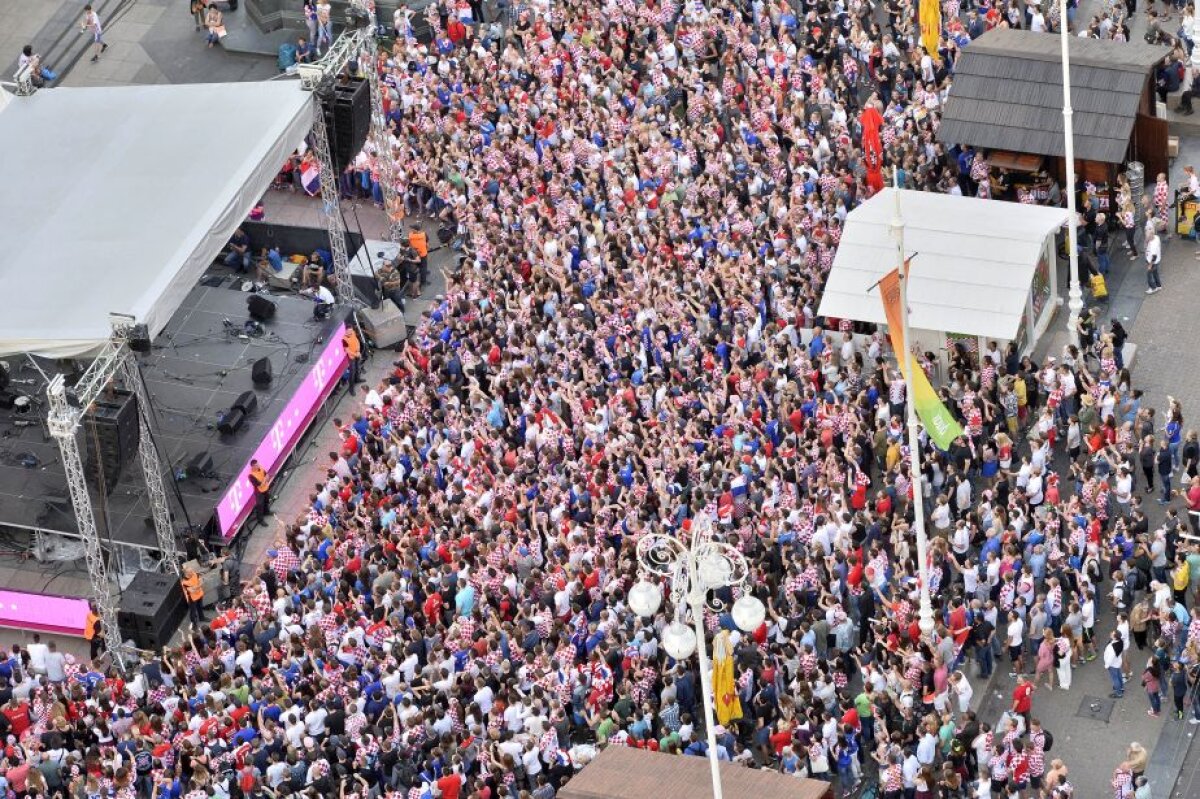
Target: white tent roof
{"x":117,"y":199}
{"x":974,"y":266}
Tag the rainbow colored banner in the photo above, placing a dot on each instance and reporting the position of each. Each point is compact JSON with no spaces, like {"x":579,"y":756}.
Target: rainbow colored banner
{"x":937,"y":419}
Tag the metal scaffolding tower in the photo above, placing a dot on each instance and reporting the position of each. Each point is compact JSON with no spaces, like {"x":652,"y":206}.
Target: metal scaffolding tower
{"x":382,"y":137}
{"x":357,"y":44}
{"x":67,"y":409}
{"x":333,"y":212}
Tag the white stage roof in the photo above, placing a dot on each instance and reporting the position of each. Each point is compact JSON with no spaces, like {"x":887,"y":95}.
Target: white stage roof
{"x":973,"y":270}
{"x":118,"y":199}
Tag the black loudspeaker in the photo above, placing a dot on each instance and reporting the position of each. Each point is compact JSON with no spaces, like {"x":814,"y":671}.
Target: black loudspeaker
{"x":232,"y":421}
{"x":260,"y":307}
{"x":139,"y":339}
{"x":151,"y":609}
{"x":347,"y":110}
{"x":260,"y":372}
{"x":112,"y":433}
{"x":247,"y":403}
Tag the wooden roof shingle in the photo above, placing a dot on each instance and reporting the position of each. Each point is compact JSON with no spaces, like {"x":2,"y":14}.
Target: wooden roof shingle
{"x":1007,"y":94}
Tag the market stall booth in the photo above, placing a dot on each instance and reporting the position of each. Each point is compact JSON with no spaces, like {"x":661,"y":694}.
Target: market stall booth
{"x":982,"y":270}
{"x":1007,"y":100}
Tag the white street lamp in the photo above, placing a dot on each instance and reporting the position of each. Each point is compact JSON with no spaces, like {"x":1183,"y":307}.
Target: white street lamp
{"x":692,"y":572}
{"x":1075,"y":294}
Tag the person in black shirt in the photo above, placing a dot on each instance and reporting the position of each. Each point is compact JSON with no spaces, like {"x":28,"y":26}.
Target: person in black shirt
{"x":981,"y":639}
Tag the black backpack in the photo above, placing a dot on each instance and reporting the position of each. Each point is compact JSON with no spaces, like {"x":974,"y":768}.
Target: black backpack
{"x":1048,"y":740}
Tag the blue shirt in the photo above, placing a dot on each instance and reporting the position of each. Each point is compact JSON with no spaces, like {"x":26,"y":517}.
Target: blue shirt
{"x":464,"y":601}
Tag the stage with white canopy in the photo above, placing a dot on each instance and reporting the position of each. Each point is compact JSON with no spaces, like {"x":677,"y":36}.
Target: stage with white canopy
{"x":117,"y":199}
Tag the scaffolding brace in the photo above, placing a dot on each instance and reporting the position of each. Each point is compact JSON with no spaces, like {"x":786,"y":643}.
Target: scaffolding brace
{"x":67,"y":408}
{"x":356,"y":44}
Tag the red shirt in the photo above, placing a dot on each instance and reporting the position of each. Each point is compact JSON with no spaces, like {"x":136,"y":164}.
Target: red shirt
{"x":18,"y":717}
{"x":1193,"y":498}
{"x":1023,"y":697}
{"x":450,"y":786}
{"x":433,"y":607}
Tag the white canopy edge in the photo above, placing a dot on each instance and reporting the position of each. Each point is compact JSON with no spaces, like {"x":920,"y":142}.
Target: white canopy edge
{"x":973,"y":268}
{"x":117,"y":199}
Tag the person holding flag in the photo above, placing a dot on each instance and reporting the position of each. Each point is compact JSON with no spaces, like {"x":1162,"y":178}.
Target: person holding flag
{"x":872,"y":146}
{"x":931,"y":28}
{"x":728,"y":705}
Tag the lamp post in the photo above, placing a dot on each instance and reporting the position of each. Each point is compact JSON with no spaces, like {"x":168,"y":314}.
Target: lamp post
{"x":1075,"y":294}
{"x":692,"y":571}
{"x":925,"y":615}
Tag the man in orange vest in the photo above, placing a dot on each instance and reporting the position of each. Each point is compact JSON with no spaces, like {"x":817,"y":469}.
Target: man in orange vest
{"x":91,"y":632}
{"x":420,"y":242}
{"x":193,"y":592}
{"x":353,"y":349}
{"x":262,"y":487}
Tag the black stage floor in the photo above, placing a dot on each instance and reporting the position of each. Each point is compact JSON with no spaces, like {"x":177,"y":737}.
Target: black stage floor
{"x":195,"y":371}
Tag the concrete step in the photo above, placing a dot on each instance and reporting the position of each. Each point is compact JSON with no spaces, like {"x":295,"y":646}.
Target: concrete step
{"x":60,"y":41}
{"x":245,"y":36}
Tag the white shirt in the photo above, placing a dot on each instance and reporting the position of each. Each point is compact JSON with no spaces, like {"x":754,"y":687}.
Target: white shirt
{"x":926,"y":749}
{"x":37,"y":656}
{"x":1154,"y":250}
{"x":964,"y":691}
{"x":1111,"y":659}
{"x":314,"y":722}
{"x":55,"y":661}
{"x":1016,"y":632}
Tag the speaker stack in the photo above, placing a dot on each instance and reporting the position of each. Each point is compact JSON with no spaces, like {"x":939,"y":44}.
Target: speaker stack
{"x":242,"y":408}
{"x":347,"y":108}
{"x":151,"y":610}
{"x":384,"y":325}
{"x":112,"y":434}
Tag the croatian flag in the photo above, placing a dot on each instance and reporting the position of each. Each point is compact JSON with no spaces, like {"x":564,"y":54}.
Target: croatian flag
{"x":310,"y":178}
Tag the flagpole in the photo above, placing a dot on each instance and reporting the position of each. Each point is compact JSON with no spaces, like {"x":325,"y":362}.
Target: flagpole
{"x":910,"y":409}
{"x":1075,"y":294}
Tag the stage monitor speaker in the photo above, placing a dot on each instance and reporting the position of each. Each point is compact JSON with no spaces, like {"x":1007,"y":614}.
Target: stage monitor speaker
{"x":231,"y":421}
{"x":247,"y":402}
{"x":384,"y":325}
{"x":261,"y":372}
{"x":151,"y":609}
{"x":260,"y":307}
{"x":200,"y":464}
{"x":347,"y":109}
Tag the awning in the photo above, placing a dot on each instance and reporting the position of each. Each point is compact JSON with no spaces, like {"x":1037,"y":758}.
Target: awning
{"x":117,"y":199}
{"x":973,"y":268}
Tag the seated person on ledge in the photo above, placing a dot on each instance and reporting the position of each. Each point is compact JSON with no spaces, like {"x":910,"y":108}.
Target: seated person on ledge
{"x":270,"y":263}
{"x":316,"y":271}
{"x":239,"y":252}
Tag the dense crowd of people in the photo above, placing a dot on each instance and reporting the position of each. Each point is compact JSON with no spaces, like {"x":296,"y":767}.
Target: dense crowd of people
{"x":647,"y":198}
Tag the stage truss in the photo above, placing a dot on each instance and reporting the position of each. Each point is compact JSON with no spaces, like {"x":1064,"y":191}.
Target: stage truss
{"x":67,"y":407}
